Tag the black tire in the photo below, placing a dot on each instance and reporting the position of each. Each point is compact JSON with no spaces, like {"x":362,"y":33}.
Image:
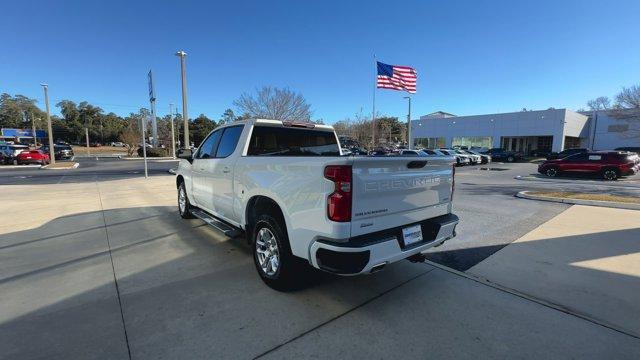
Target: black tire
{"x":610,"y":174}
{"x":290,"y":269}
{"x":551,"y":172}
{"x":510,"y":159}
{"x":184,"y":208}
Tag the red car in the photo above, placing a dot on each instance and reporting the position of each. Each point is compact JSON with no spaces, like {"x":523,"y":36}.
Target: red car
{"x":33,"y":157}
{"x":610,"y":165}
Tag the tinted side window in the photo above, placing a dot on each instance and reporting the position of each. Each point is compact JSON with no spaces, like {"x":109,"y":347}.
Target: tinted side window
{"x":283,"y":141}
{"x":577,"y":157}
{"x":208,"y":147}
{"x":229,"y":141}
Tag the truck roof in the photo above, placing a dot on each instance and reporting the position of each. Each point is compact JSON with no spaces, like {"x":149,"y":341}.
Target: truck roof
{"x":270,"y":122}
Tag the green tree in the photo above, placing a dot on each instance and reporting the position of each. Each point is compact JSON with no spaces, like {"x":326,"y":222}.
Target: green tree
{"x":199,"y":128}
{"x":13,"y":110}
{"x":227,"y":117}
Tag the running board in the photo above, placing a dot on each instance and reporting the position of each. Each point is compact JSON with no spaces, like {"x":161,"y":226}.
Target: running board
{"x":226,"y":229}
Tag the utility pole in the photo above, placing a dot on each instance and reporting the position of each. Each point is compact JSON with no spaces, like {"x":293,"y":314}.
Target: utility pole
{"x":86,"y":133}
{"x":25,"y":119}
{"x":143,"y":126}
{"x":185,"y":115}
{"x":49,"y":127}
{"x":409,"y":124}
{"x":173,"y":136}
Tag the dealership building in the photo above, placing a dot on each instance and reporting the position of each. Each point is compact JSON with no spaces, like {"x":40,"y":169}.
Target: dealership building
{"x":527,"y":131}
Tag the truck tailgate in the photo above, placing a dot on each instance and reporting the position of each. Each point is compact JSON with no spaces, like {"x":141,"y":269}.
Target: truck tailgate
{"x":395,"y":191}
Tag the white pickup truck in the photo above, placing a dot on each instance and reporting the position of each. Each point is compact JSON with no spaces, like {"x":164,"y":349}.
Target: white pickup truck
{"x":299,"y":202}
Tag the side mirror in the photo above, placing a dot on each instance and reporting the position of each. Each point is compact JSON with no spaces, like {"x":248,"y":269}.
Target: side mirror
{"x":186,"y":154}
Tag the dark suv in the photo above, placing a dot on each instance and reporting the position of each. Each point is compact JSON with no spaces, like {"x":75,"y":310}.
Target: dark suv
{"x":565,"y":153}
{"x":610,"y":165}
{"x":498,"y":154}
{"x":61,"y":151}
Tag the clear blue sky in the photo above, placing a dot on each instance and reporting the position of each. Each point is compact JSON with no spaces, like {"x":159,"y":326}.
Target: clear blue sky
{"x":472,"y":57}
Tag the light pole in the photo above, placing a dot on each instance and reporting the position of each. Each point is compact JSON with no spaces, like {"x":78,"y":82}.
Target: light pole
{"x":173,"y":136}
{"x":52,"y":157}
{"x":409,"y":124}
{"x":185,"y":115}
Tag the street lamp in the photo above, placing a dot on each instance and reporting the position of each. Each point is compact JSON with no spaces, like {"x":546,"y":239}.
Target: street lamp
{"x":52,"y":157}
{"x":409,"y":124}
{"x":185,"y":117}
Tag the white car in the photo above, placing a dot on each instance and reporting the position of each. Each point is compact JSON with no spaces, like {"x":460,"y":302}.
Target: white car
{"x":460,"y":158}
{"x":286,"y":188}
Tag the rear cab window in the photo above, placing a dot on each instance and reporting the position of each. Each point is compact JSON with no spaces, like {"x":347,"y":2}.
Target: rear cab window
{"x":286,"y":141}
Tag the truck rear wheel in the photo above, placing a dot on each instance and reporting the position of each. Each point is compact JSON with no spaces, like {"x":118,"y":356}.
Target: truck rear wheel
{"x":272,"y":256}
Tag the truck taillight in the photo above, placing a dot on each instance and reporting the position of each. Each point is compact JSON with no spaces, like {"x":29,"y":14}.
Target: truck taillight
{"x":453,"y":179}
{"x":339,"y":202}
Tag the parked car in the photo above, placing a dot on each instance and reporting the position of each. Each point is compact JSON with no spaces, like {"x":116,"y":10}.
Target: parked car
{"x":609,"y":165}
{"x":33,"y":157}
{"x":285,"y":185}
{"x":460,"y":154}
{"x":473,"y":158}
{"x":60,"y":152}
{"x":11,"y":152}
{"x":484,"y":158}
{"x":566,"y":152}
{"x":118,"y":144}
{"x":498,"y":154}
{"x":461,"y":160}
{"x":541,"y":152}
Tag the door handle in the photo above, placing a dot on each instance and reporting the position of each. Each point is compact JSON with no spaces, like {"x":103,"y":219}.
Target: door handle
{"x":226,"y":170}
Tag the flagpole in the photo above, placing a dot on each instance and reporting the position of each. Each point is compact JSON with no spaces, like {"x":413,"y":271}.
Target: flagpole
{"x":373,"y":113}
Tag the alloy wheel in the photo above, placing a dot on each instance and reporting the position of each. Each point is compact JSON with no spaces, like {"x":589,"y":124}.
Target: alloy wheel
{"x":551,"y":172}
{"x":182,"y":199}
{"x":610,"y":175}
{"x":267,"y":252}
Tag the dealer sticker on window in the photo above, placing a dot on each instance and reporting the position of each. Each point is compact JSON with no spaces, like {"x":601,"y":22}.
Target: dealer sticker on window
{"x":412,"y":235}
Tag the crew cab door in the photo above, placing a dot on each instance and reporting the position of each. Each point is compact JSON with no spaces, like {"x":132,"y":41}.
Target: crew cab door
{"x":203,"y":162}
{"x":395,"y":191}
{"x":221,"y":172}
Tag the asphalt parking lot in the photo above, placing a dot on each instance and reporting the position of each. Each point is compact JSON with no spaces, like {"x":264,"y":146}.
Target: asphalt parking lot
{"x":96,"y":263}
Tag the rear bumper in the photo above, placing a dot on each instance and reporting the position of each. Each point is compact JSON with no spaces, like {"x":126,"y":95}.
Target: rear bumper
{"x":361,"y":254}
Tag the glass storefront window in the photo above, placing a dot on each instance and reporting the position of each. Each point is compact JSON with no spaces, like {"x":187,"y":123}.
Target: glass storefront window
{"x":472,"y":141}
{"x":429,"y":143}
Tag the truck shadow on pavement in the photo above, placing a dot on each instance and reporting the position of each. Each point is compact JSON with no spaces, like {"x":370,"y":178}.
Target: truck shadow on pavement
{"x":183,"y":288}
{"x":174,"y":276}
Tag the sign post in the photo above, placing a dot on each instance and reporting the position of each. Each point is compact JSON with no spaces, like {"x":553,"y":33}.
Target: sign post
{"x":152,"y":101}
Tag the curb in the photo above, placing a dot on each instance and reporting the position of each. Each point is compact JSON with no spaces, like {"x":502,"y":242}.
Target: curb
{"x":74,"y":166}
{"x":609,"y":204}
{"x":19,"y":166}
{"x":571,"y":180}
{"x":164,"y":158}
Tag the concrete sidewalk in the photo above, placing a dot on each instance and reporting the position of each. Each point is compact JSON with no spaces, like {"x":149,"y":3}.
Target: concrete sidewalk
{"x":109,"y":270}
{"x":585,"y":260}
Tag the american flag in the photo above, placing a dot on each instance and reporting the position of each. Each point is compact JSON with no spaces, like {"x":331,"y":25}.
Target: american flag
{"x":397,"y":77}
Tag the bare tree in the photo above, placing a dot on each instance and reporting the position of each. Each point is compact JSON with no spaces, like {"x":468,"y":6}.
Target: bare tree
{"x":274,"y":103}
{"x":629,"y":98}
{"x":599,"y":103}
